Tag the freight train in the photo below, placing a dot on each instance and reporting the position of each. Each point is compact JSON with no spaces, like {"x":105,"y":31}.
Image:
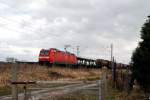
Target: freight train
{"x":54,"y":56}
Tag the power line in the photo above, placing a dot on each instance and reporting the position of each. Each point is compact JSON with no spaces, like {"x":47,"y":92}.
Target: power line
{"x":78,"y":50}
{"x":13,"y":29}
{"x":10,"y":6}
{"x":26,"y":29}
{"x":21,"y":30}
{"x":8,"y":21}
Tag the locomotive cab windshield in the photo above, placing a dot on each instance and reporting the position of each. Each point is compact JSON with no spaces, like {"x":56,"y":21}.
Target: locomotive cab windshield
{"x":44,"y":53}
{"x":44,"y":57}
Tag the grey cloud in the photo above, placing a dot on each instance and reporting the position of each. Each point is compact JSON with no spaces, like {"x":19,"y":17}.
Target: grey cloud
{"x":92,"y":24}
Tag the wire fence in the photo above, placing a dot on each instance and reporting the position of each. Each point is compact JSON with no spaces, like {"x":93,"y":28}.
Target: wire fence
{"x":123,"y":78}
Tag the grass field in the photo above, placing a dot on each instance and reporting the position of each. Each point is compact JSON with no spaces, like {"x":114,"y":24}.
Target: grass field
{"x":43,"y":73}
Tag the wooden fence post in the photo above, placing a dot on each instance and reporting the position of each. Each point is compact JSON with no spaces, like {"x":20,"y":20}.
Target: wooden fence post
{"x":14,"y":69}
{"x":104,"y":83}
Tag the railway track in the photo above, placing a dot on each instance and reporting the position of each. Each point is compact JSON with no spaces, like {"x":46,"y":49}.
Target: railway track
{"x":22,"y":62}
{"x":82,"y":62}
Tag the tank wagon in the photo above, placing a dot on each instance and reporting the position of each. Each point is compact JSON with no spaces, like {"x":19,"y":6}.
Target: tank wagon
{"x":55,"y":56}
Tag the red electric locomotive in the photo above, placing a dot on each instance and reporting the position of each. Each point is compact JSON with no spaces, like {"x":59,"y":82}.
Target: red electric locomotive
{"x":55,"y":56}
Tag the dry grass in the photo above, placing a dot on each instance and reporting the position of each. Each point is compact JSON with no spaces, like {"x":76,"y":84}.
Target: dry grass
{"x":115,"y":94}
{"x":36,"y":72}
{"x":122,"y":95}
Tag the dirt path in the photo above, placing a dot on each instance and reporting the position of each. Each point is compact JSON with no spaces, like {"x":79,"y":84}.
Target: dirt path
{"x":47,"y":93}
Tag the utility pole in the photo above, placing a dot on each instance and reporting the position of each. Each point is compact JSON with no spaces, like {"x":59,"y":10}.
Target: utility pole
{"x":113,"y":66}
{"x":67,"y":46}
{"x":66,"y":57}
{"x":78,"y":50}
{"x":100,"y":90}
{"x":111,"y":53}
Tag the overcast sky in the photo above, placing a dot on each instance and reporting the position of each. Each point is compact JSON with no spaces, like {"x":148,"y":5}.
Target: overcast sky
{"x":26,"y":26}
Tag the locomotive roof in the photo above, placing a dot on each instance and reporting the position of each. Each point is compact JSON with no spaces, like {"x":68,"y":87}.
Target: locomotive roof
{"x":61,"y":51}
